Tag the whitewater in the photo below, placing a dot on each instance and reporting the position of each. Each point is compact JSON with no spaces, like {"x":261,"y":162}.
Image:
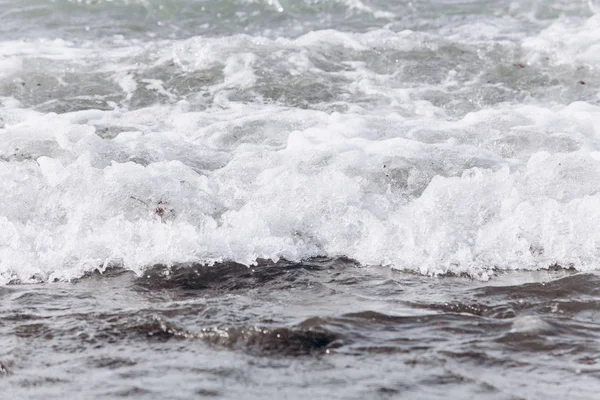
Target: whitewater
{"x":462,"y":147}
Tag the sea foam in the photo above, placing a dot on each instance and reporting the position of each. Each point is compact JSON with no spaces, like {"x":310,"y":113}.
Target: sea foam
{"x":330,"y":144}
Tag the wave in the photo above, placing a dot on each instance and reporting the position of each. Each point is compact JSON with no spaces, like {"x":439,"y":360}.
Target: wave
{"x":426,"y":152}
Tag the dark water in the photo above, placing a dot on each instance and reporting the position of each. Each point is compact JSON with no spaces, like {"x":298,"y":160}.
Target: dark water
{"x":318,"y":329}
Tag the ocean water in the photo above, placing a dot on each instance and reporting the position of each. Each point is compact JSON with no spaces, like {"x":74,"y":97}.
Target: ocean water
{"x":292,"y":198}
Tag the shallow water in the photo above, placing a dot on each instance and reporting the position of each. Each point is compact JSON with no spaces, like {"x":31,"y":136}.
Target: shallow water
{"x":322,"y":328}
{"x":291,"y":198}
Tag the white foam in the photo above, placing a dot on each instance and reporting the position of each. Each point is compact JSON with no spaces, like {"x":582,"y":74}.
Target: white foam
{"x":327,"y":191}
{"x":392,"y":180}
{"x":567,"y":42}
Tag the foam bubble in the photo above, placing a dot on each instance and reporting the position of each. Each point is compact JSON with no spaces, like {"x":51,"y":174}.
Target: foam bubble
{"x":567,"y":42}
{"x":383,"y":146}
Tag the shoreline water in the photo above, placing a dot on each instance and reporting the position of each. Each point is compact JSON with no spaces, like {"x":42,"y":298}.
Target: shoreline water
{"x":323,"y":329}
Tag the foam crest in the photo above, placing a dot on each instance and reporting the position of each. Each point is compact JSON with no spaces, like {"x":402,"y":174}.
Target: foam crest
{"x":332,"y":188}
{"x":567,"y":42}
{"x":435,"y":151}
